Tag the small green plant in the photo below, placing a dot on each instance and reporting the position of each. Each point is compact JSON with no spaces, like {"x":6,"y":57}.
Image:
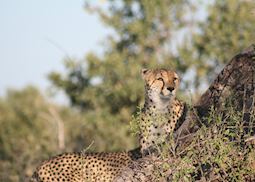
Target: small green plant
{"x":219,"y":151}
{"x":134,"y":123}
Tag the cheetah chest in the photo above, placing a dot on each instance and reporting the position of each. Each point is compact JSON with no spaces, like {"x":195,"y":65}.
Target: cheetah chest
{"x":156,"y":126}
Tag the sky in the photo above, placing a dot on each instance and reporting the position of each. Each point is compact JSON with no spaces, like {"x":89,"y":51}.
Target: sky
{"x":35,"y":37}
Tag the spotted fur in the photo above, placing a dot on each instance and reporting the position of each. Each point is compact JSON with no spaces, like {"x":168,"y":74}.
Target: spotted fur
{"x":84,"y":167}
{"x":162,"y":111}
{"x":160,"y":102}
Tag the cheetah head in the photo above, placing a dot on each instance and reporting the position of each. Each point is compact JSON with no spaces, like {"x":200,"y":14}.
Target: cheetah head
{"x":160,"y":84}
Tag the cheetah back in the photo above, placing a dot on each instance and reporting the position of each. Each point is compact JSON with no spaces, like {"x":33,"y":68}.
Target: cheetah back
{"x":79,"y":167}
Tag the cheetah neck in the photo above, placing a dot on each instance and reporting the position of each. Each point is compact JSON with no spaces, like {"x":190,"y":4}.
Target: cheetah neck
{"x":158,"y":106}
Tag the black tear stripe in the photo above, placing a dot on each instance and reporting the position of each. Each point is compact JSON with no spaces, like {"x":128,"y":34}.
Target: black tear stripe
{"x":162,"y":81}
{"x":152,"y":83}
{"x":156,"y":80}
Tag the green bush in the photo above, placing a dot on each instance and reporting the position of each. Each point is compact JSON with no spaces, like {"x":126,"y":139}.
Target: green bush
{"x":218,"y":151}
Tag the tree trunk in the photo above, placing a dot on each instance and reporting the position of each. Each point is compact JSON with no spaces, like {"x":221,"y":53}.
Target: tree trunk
{"x":236,"y":80}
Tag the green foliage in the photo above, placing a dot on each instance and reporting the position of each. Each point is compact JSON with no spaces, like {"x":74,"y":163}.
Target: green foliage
{"x":143,"y":29}
{"x":216,"y":152}
{"x":20,"y":134}
{"x":30,"y":132}
{"x":105,"y":90}
{"x":228,"y":29}
{"x":135,"y":121}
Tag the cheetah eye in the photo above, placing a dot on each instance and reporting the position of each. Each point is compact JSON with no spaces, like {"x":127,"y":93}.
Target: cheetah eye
{"x":175,"y":78}
{"x":160,"y":79}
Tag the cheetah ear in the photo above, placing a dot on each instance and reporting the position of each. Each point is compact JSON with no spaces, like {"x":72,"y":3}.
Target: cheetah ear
{"x":143,"y":72}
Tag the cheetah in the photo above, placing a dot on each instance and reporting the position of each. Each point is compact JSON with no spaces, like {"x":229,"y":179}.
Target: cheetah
{"x":162,"y":111}
{"x":160,"y":89}
{"x":84,"y":167}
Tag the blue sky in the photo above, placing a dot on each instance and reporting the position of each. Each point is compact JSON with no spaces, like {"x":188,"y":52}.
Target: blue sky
{"x":31,"y":32}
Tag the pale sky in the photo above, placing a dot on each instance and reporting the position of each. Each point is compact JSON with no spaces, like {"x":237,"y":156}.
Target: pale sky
{"x":35,"y":37}
{"x":30,"y":31}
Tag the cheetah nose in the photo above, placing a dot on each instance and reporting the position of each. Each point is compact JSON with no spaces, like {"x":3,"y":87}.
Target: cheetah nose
{"x":170,"y":89}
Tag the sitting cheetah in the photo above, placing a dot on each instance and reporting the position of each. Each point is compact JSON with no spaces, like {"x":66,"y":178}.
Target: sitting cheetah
{"x":160,"y":90}
{"x":162,"y":111}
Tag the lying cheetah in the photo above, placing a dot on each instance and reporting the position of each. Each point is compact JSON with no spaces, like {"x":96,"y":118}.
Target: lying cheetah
{"x":162,"y":111}
{"x":84,"y":167}
{"x":160,"y":90}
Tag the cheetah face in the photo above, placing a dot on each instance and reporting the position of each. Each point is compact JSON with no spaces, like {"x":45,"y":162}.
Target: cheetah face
{"x":160,"y":84}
